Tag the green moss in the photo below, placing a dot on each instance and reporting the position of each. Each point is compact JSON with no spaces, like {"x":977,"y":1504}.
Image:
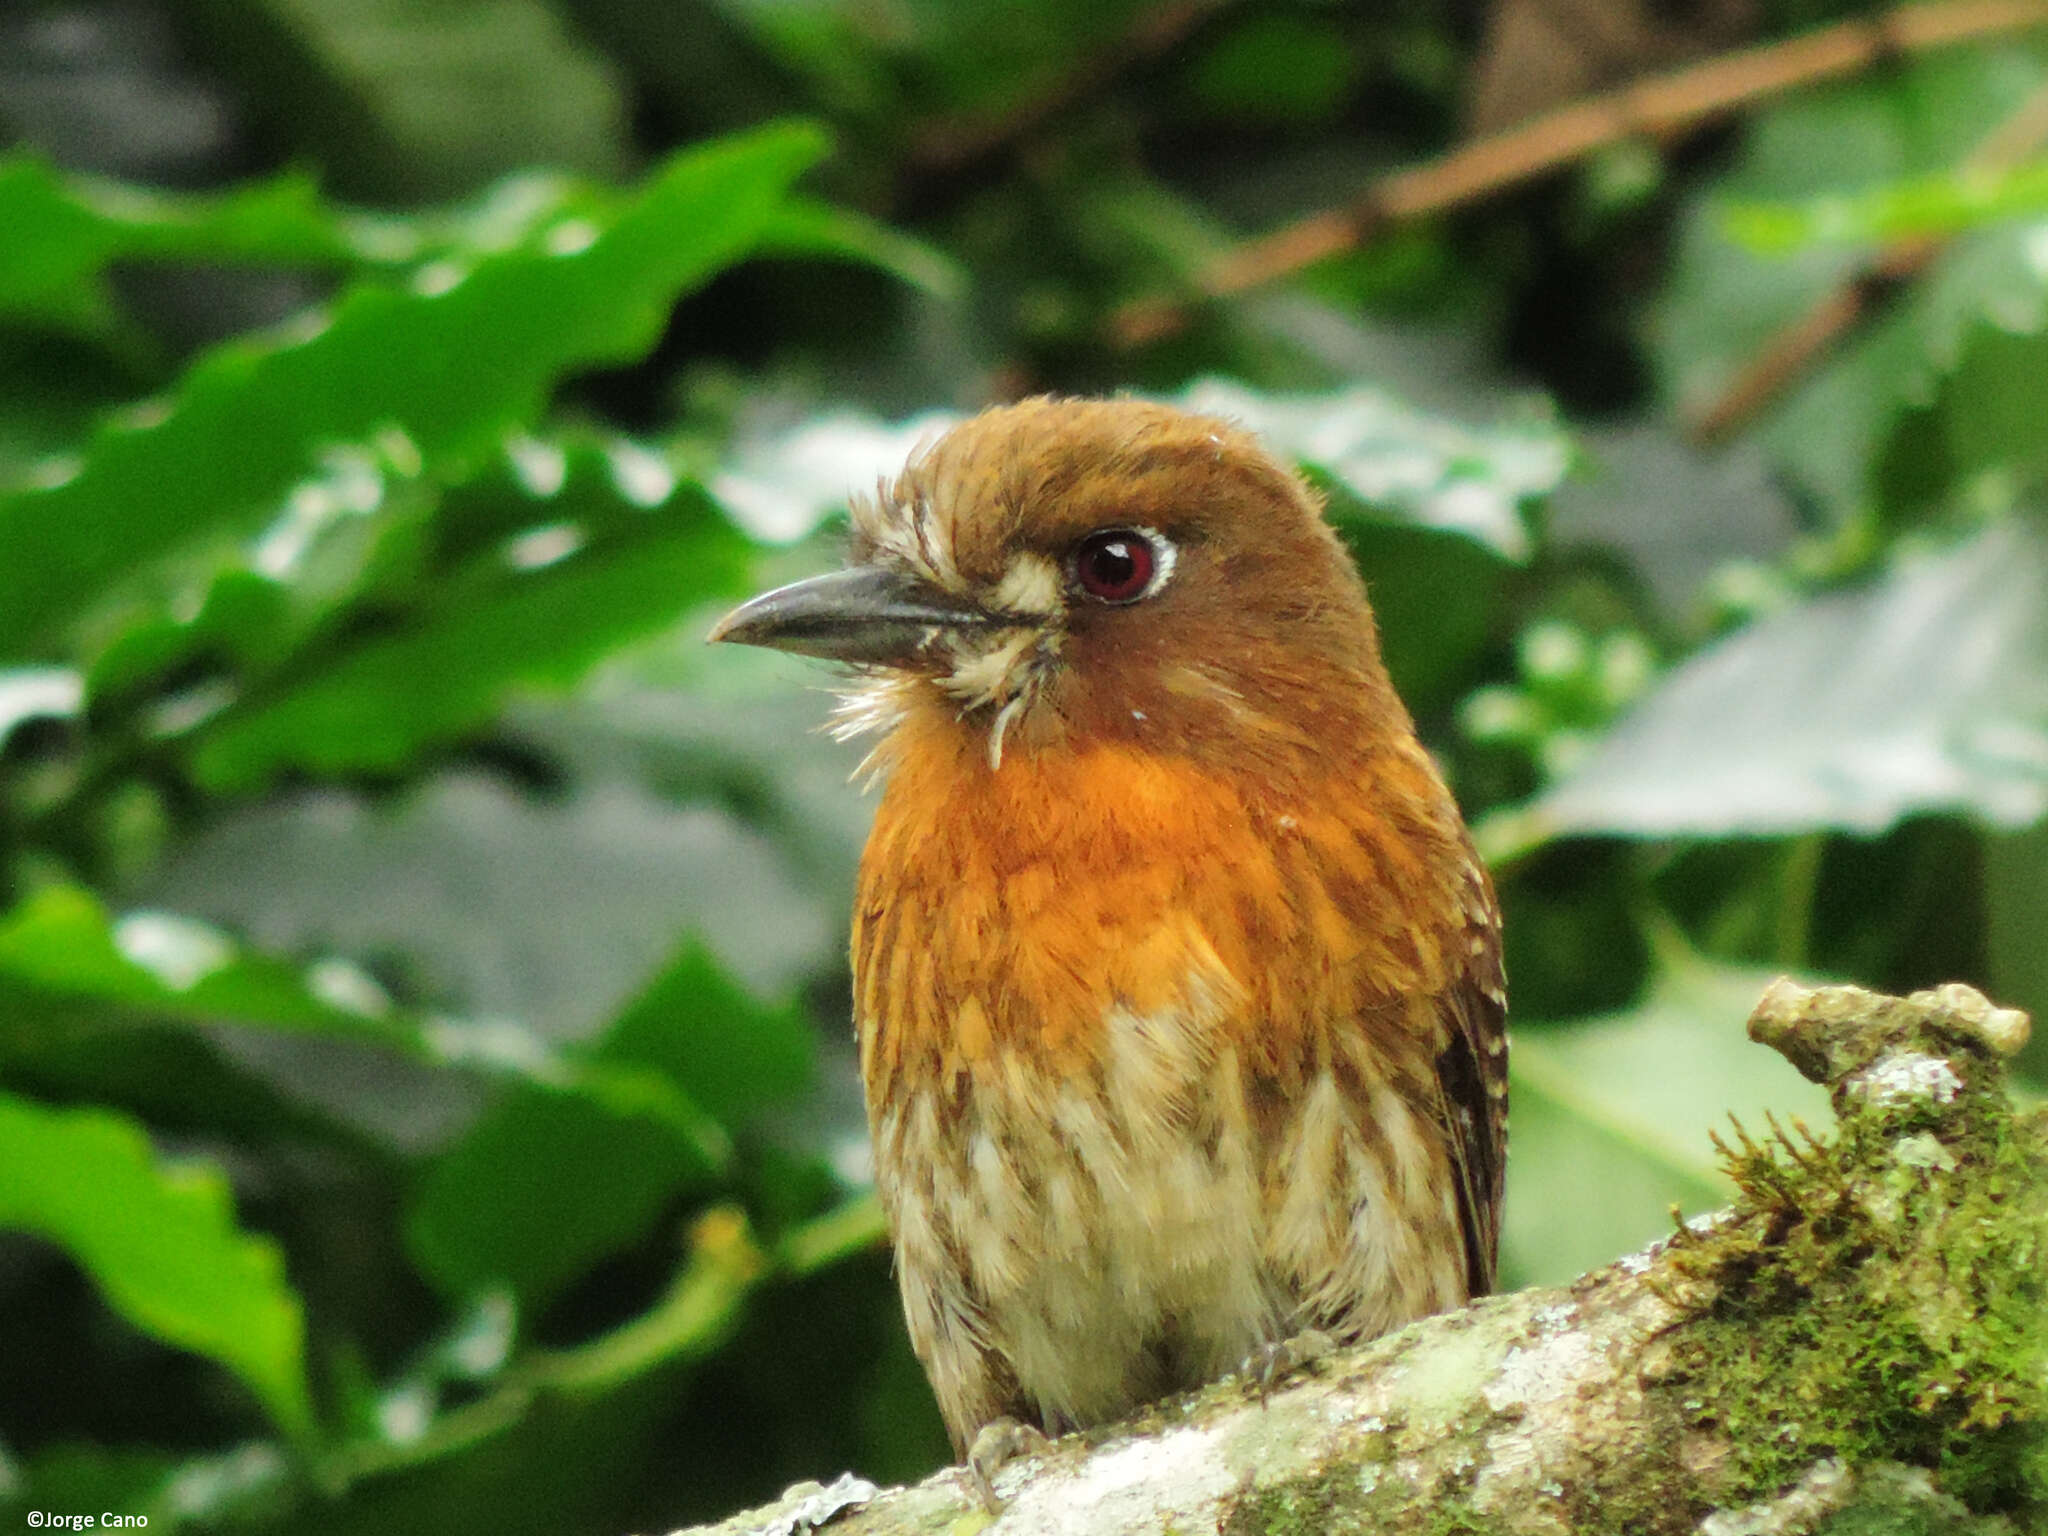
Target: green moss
{"x":1343,"y":1502}
{"x":1648,"y":1492}
{"x":1283,"y":1512}
{"x":1882,"y":1298}
{"x":1361,"y":1499}
{"x":1458,"y":1520}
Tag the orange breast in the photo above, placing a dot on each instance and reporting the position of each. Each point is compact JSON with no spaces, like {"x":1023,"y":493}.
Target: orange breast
{"x":1005,"y":913}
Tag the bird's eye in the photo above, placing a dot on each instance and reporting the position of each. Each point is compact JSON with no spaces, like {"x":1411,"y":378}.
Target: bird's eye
{"x":1121,"y":565}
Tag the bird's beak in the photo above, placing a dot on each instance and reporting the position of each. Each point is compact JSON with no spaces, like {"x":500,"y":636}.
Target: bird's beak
{"x":866,"y":613}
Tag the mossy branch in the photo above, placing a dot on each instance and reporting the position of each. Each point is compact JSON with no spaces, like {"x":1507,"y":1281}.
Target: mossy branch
{"x":1859,"y":1344}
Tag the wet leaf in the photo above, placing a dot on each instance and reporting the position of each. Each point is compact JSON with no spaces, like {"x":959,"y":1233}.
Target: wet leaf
{"x":1925,"y":689}
{"x":37,"y":693}
{"x":1414,"y":464}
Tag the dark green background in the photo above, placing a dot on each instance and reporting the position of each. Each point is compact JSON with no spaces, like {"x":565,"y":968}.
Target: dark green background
{"x":426,"y":1098}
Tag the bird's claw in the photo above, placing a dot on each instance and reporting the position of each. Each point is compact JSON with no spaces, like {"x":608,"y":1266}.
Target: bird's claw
{"x":1277,"y":1359}
{"x":1000,"y":1442}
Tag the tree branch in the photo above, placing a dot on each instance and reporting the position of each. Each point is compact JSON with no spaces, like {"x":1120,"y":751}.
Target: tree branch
{"x":1862,"y":1334}
{"x":1656,"y":107}
{"x":1787,"y":354}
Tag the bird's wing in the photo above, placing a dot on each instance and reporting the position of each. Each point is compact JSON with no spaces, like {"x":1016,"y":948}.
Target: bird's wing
{"x":1472,"y":1080}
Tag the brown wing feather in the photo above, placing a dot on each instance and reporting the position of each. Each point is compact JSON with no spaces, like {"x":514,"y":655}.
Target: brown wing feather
{"x":1472,"y":1083}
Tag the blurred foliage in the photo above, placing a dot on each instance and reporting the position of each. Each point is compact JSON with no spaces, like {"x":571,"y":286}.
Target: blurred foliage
{"x":426,"y":1099}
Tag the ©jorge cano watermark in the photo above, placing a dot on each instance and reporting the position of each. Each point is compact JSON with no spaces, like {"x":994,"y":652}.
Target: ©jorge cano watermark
{"x":51,"y":1520}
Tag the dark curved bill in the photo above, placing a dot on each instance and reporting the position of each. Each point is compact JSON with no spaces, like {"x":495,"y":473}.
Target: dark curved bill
{"x":865,"y":613}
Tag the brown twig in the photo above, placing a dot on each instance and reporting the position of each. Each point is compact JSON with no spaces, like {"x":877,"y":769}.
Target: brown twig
{"x":1656,"y":107}
{"x":1794,"y":348}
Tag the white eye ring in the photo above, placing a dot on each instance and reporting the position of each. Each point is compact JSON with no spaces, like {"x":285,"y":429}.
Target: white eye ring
{"x":1141,"y":561}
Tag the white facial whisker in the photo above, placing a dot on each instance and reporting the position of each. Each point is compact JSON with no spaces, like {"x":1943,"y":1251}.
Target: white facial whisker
{"x":1002,"y":725}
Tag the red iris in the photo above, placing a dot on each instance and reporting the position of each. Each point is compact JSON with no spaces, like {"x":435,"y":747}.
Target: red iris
{"x":1115,"y":565}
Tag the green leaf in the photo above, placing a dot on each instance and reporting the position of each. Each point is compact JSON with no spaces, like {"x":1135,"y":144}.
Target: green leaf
{"x":59,"y":234}
{"x":543,"y":486}
{"x":367,"y":535}
{"x":1724,"y":301}
{"x":1969,"y":424}
{"x":179,"y":1081}
{"x":1611,"y":1118}
{"x":406,"y":100}
{"x":245,"y":618}
{"x":1950,"y":202}
{"x":161,"y":1243}
{"x":1925,"y":689}
{"x":452,"y":861}
{"x":375,"y":706}
{"x":443,"y":368}
{"x":1280,"y":69}
{"x":726,"y":1050}
{"x":52,"y":392}
{"x":60,"y":947}
{"x":1736,"y":507}
{"x":803,"y":226}
{"x":747,"y":735}
{"x":61,"y":943}
{"x":839,"y":51}
{"x":1840,"y":431}
{"x":542,"y":1187}
{"x":924,"y":58}
{"x":1436,"y":596}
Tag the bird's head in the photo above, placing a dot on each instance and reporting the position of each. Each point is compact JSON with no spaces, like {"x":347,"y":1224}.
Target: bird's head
{"x":1063,"y":571}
